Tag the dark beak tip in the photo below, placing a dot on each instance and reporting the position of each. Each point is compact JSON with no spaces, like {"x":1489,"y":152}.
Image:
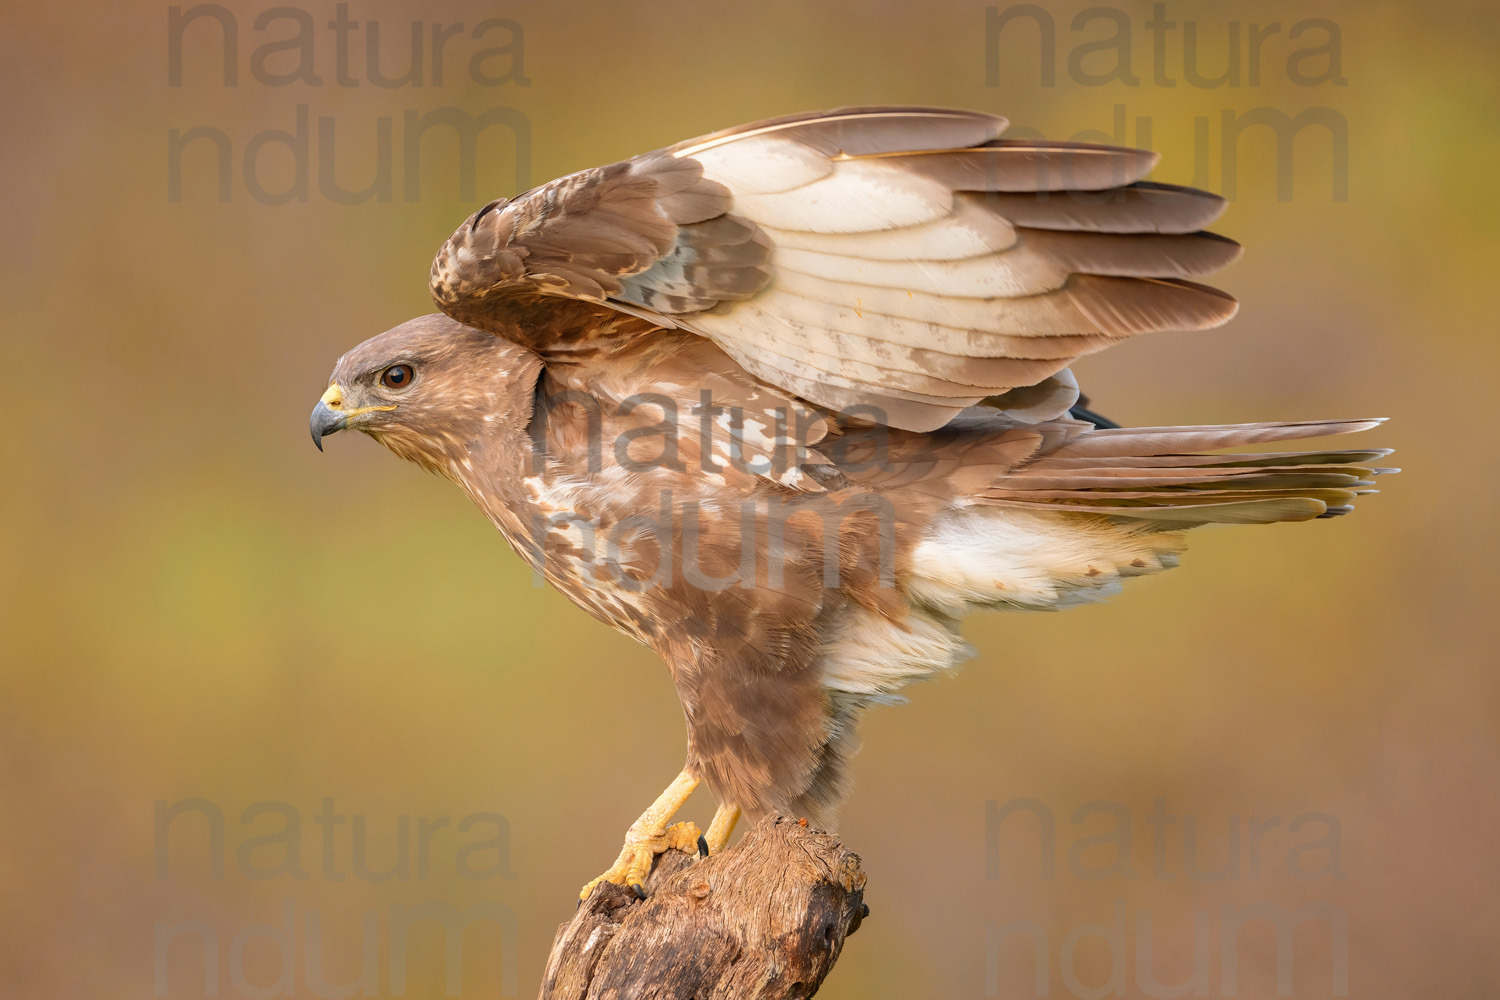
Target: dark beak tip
{"x":324,"y":421}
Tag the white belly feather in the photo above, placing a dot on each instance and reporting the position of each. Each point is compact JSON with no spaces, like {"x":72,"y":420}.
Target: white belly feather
{"x":993,"y":558}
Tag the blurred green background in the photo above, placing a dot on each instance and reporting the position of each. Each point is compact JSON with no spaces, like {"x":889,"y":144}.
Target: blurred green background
{"x":198,"y":604}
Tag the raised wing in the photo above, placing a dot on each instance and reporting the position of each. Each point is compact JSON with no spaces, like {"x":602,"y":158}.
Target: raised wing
{"x":904,"y":261}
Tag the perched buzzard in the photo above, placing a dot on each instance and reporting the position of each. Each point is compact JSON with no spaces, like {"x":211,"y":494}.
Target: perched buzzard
{"x":787,"y":401}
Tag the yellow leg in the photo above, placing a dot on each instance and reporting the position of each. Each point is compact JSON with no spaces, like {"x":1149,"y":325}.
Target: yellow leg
{"x":650,"y":835}
{"x":721,"y":827}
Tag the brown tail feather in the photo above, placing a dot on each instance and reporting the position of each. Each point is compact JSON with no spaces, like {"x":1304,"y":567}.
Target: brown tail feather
{"x":1149,"y":474}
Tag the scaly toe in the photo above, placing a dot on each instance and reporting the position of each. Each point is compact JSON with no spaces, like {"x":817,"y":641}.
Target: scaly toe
{"x":682,"y":836}
{"x":634,"y":863}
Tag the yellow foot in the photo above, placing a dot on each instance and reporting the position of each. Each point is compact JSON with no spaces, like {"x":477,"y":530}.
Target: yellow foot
{"x":634,"y":862}
{"x":650,"y":835}
{"x":717,"y":834}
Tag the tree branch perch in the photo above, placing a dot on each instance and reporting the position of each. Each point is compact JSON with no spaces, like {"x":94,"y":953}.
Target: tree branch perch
{"x":764,"y":919}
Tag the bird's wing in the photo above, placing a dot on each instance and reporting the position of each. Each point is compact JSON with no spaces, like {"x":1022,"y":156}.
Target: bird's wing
{"x":907,"y":261}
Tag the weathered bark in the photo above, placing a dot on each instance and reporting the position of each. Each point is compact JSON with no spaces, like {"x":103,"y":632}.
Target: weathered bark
{"x":765,"y":918}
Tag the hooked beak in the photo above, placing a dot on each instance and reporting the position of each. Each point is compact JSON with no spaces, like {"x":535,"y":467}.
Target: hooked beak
{"x":329,"y":416}
{"x":325,"y":421}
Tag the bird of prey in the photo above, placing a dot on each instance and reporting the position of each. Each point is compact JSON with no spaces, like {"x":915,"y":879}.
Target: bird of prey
{"x":785,"y":402}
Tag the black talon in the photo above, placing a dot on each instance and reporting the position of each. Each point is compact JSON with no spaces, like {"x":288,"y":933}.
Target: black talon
{"x":702,"y":846}
{"x":639,"y":890}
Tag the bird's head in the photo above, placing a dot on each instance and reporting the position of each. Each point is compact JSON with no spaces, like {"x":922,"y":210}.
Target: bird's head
{"x":430,"y":390}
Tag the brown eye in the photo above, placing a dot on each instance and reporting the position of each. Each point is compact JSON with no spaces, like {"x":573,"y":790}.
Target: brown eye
{"x":397,"y":377}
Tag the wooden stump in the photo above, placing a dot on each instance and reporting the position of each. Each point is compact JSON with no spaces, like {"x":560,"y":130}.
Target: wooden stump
{"x":765,"y":918}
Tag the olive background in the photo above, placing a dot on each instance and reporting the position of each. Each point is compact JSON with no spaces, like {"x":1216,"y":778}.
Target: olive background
{"x":197,"y":604}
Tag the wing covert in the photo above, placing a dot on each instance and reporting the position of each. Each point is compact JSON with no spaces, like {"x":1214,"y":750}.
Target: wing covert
{"x":907,"y":261}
